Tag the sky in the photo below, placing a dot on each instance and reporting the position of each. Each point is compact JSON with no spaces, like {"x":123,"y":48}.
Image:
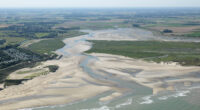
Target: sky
{"x":96,"y":3}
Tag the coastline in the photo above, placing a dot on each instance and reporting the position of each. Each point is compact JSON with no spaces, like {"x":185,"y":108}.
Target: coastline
{"x":110,"y":73}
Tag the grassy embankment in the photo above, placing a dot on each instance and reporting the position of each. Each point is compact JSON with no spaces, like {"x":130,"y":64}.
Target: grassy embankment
{"x":181,"y":52}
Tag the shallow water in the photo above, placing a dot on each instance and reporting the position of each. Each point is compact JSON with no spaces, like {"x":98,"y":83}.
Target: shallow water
{"x":179,"y":100}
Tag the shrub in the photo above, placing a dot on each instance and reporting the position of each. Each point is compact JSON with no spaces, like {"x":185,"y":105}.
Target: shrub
{"x":53,"y":68}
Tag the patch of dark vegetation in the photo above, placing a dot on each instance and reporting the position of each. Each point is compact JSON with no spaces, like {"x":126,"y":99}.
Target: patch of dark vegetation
{"x":24,"y":30}
{"x":167,"y":31}
{"x":136,"y":25}
{"x":100,"y":19}
{"x":181,"y":52}
{"x":2,"y":41}
{"x":6,"y":71}
{"x":13,"y":82}
{"x":34,"y":30}
{"x":4,"y":57}
{"x":63,"y":29}
{"x":53,"y":68}
{"x":192,"y":23}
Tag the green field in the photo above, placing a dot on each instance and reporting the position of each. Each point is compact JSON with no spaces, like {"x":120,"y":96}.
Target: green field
{"x":46,"y":46}
{"x":194,"y":34}
{"x":181,"y":52}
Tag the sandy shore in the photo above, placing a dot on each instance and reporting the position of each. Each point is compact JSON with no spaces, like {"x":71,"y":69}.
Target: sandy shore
{"x":71,"y":83}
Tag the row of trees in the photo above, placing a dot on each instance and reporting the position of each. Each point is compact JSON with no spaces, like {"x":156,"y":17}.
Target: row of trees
{"x":29,"y":30}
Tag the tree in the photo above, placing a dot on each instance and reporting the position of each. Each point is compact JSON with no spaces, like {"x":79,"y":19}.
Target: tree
{"x":136,"y":25}
{"x":167,"y":31}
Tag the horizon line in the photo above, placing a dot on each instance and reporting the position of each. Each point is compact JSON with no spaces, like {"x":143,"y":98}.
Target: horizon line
{"x":94,"y":7}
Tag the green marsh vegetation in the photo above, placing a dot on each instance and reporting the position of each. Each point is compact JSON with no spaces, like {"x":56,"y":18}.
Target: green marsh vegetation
{"x":158,"y":51}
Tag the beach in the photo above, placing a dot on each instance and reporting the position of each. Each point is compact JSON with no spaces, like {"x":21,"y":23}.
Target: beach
{"x":81,"y":76}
